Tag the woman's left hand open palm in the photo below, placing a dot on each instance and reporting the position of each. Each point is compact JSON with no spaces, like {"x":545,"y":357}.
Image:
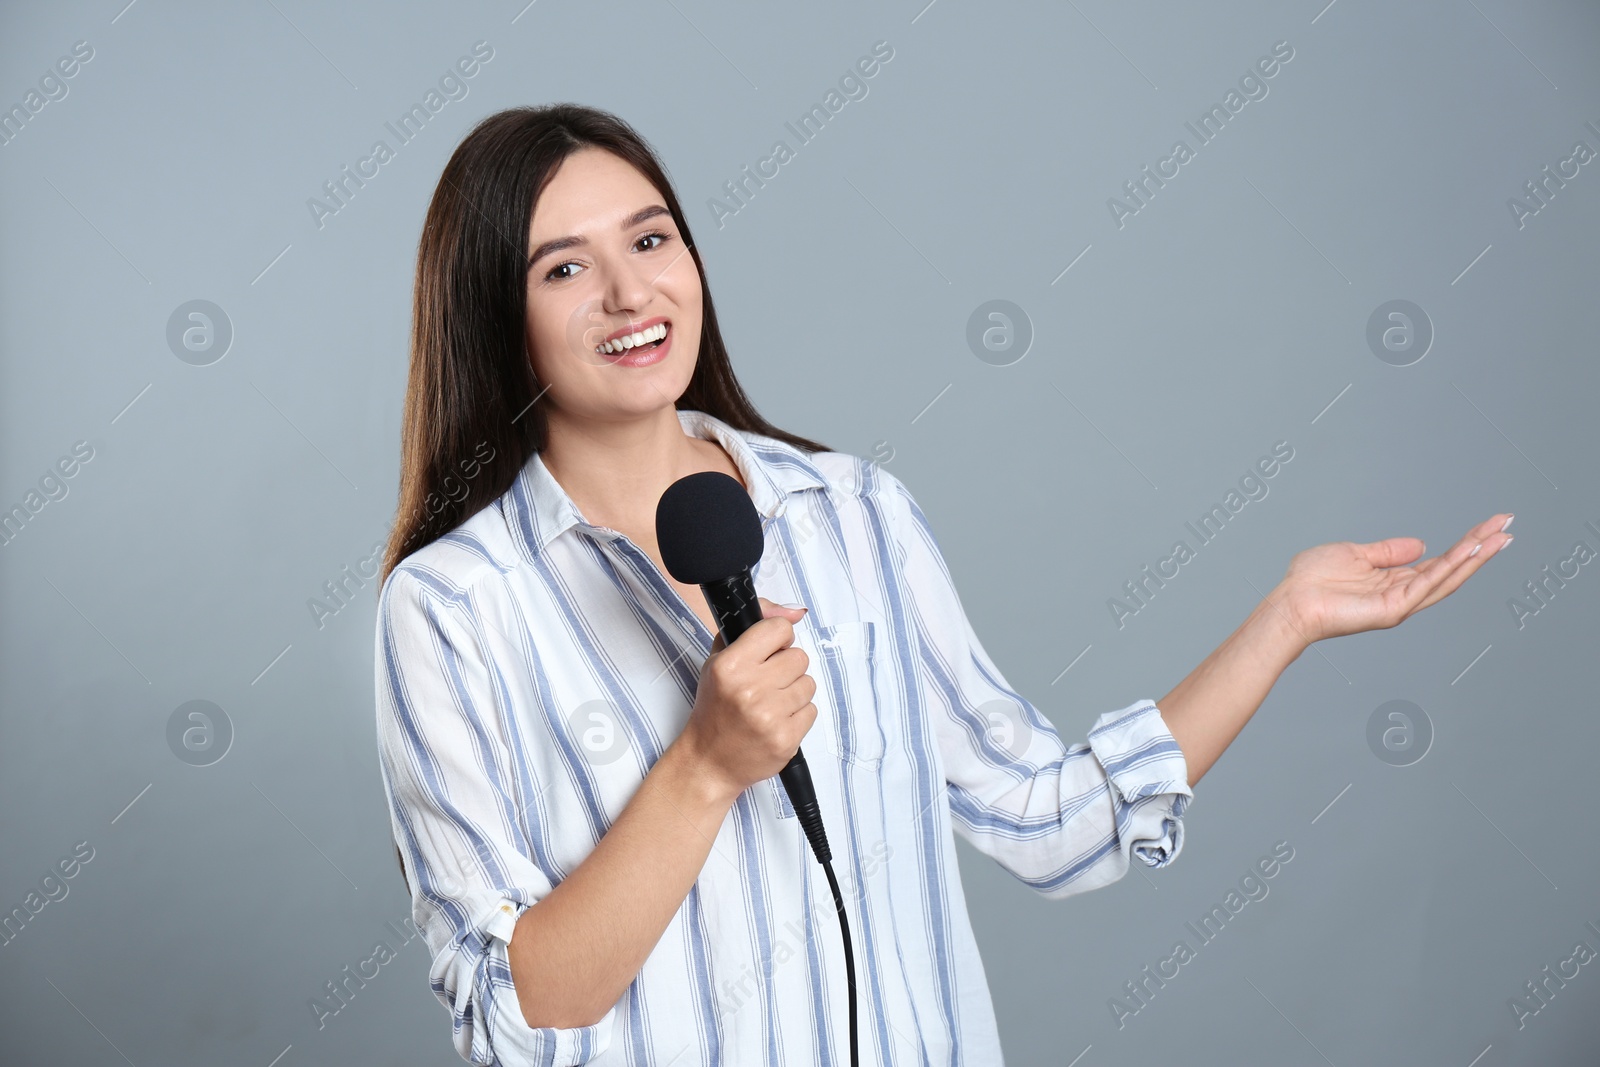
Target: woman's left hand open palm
{"x":1346,"y":587}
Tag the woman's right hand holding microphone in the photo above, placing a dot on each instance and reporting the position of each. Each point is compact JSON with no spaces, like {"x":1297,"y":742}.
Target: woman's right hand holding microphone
{"x":753,"y":706}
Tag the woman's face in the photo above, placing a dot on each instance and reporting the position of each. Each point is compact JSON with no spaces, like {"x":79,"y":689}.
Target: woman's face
{"x":621,"y":267}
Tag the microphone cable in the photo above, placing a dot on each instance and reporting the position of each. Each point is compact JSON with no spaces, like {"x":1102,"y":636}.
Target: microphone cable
{"x":710,"y":535}
{"x":796,"y":777}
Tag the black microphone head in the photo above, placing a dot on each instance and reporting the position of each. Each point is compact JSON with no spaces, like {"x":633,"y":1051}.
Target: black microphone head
{"x":707,"y":528}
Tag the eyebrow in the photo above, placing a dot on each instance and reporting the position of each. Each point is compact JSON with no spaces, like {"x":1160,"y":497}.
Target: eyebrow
{"x":562,"y":243}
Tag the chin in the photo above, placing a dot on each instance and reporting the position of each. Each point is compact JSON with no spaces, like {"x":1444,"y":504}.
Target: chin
{"x":645,"y":398}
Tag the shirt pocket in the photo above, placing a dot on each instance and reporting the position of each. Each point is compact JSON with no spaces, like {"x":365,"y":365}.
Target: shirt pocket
{"x":847,"y":690}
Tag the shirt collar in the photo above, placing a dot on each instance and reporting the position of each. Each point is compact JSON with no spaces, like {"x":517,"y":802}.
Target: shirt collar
{"x":538,"y":509}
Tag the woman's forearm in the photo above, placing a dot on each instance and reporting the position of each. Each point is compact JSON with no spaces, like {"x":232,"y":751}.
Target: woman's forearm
{"x":1209,"y":707}
{"x":574,"y":953}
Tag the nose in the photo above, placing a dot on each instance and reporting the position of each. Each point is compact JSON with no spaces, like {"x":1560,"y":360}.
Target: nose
{"x":626,"y":286}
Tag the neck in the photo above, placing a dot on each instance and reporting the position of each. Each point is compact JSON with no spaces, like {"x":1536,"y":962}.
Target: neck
{"x":615,"y":472}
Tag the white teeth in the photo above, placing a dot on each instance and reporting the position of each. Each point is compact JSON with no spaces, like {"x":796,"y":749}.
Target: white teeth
{"x":633,"y":340}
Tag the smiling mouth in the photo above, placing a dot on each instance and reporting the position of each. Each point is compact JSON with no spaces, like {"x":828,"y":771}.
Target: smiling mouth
{"x":643,"y":340}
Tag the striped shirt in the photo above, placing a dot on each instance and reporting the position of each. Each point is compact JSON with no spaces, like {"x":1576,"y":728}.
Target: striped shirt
{"x":531,"y":667}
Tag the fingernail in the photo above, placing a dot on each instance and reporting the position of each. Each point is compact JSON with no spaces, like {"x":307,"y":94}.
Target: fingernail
{"x":1509,"y":539}
{"x":1508,"y":523}
{"x":1474,"y":551}
{"x":796,"y":607}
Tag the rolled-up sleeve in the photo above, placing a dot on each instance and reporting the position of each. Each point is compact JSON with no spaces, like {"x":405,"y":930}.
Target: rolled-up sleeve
{"x":1062,"y":820}
{"x":458,"y":804}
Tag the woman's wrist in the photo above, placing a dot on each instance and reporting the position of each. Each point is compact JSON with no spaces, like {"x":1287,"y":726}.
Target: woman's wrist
{"x":1274,"y":632}
{"x":694,"y":779}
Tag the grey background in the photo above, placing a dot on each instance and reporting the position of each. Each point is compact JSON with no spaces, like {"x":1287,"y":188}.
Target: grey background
{"x":1230,"y":313}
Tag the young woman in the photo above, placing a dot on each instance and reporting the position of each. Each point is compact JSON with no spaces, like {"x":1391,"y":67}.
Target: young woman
{"x":580,"y":777}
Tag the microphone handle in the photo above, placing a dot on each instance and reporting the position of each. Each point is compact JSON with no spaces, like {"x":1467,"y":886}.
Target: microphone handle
{"x":733,"y":601}
{"x":796,"y":779}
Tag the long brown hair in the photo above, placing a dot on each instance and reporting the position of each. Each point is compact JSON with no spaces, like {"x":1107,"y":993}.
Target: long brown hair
{"x":471,"y":421}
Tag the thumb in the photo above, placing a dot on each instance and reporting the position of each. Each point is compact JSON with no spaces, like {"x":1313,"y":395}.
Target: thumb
{"x":770,"y":608}
{"x":1393,"y":551}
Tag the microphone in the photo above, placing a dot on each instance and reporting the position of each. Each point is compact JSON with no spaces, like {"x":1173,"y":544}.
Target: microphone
{"x":709,"y":534}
